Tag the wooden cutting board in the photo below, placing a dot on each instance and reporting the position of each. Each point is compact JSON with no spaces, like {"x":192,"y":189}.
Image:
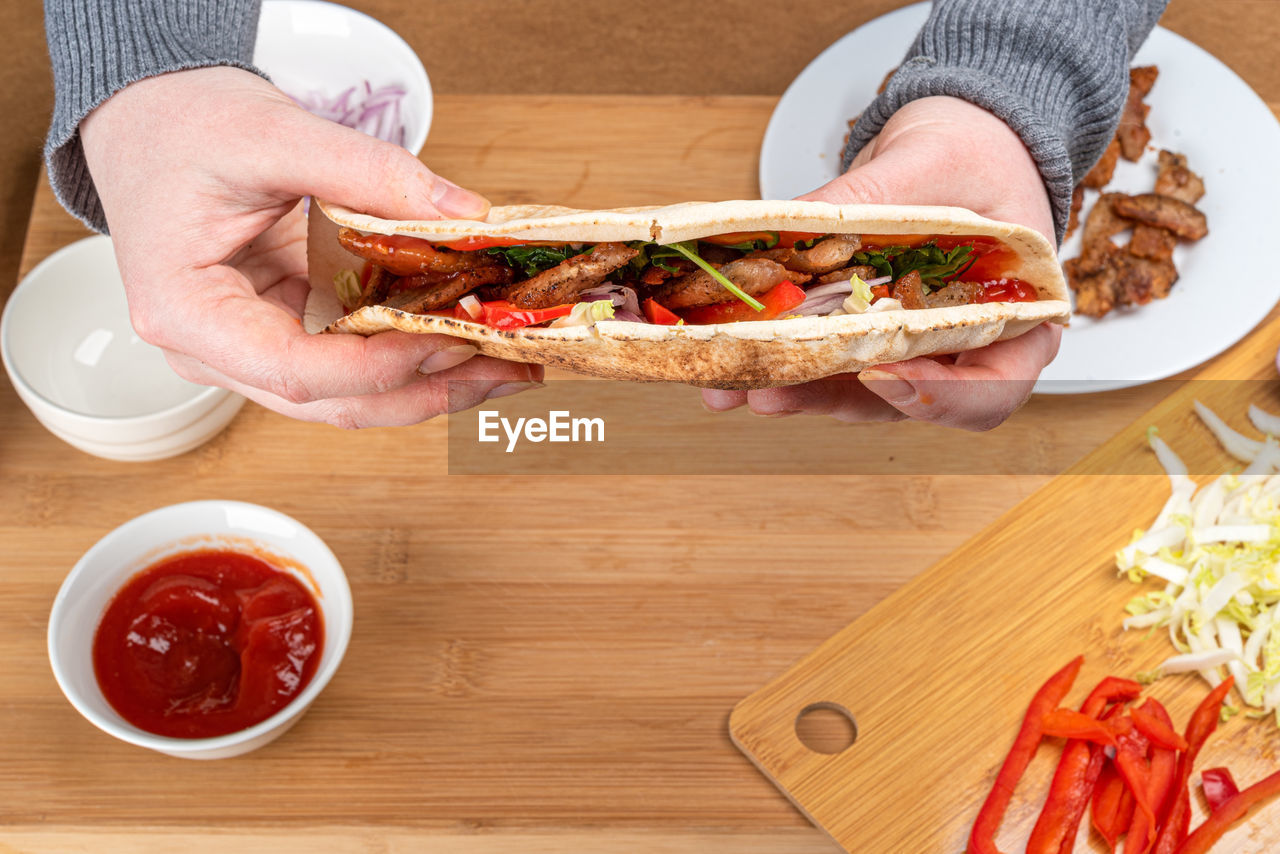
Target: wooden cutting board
{"x":938,"y":676}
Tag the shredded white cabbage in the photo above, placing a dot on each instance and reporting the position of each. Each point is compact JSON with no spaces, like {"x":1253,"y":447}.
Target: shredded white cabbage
{"x":587,"y":313}
{"x":860,"y":299}
{"x":1217,"y":550}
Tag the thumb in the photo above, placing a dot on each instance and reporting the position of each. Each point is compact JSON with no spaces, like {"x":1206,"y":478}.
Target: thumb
{"x":343,"y":165}
{"x":885,"y":179}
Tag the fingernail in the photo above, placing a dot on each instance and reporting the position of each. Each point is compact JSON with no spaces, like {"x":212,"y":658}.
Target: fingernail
{"x":452,"y":200}
{"x":511,"y":388}
{"x":781,"y":413}
{"x":449,"y":357}
{"x":716,"y":400}
{"x":891,"y":387}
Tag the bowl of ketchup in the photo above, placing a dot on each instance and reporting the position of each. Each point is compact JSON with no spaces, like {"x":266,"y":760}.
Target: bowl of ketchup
{"x":201,"y":630}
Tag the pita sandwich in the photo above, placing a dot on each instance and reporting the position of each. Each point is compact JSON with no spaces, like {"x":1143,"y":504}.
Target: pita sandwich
{"x":644,"y":293}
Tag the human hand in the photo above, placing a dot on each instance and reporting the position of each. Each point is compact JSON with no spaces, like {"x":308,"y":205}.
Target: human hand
{"x":933,"y":151}
{"x":200,"y":174}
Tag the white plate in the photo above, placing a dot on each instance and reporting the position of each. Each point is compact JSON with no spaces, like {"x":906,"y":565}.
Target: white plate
{"x":312,"y":45}
{"x":1199,"y":107}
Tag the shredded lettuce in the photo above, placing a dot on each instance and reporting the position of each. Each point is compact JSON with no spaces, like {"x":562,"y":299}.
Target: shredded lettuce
{"x":1216,"y":552}
{"x":587,"y":313}
{"x":347,"y":284}
{"x":860,"y":300}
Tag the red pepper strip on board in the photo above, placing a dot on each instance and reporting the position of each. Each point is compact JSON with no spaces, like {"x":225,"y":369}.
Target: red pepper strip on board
{"x":1108,"y":802}
{"x":1131,"y":762}
{"x":1079,"y":767}
{"x":1160,"y":782}
{"x":1204,"y":720}
{"x":1213,"y":827}
{"x":1066,"y":723}
{"x":982,"y":839}
{"x":1218,"y":786}
{"x":1156,"y":731}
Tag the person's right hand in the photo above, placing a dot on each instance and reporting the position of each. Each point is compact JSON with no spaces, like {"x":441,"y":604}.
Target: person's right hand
{"x":200,"y":174}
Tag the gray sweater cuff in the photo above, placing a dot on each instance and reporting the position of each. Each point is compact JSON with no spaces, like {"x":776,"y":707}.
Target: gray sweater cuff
{"x":98,"y":47}
{"x":1055,"y":71}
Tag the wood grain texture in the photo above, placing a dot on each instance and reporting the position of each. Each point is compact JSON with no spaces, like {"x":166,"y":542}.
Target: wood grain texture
{"x":939,"y":674}
{"x":537,"y":660}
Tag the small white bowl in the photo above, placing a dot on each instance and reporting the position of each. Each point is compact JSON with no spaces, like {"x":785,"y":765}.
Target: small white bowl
{"x":75,"y":361}
{"x":310,"y":46}
{"x":141,"y":542}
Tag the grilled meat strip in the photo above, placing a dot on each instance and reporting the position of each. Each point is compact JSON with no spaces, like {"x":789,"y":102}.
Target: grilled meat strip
{"x":824,"y":256}
{"x":862,"y":271}
{"x":428,"y":293}
{"x":753,"y":275}
{"x":1165,"y":212}
{"x":562,"y":283}
{"x":1174,"y":179}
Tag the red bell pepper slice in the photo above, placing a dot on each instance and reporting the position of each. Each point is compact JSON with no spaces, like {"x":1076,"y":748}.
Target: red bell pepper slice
{"x":1067,"y":723}
{"x":1157,"y":731}
{"x":1079,"y":767}
{"x":1112,"y":807}
{"x":1218,"y":786}
{"x":1131,"y":762}
{"x":655,"y":312}
{"x":1213,"y":827}
{"x":1204,"y":720}
{"x":1161,"y":779}
{"x":777,"y":301}
{"x":982,"y":839}
{"x":501,"y":314}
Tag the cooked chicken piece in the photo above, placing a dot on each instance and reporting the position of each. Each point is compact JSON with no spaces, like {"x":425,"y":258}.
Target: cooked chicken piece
{"x":1132,"y":130}
{"x":1176,"y":215}
{"x":862,"y":271}
{"x":1152,"y":242}
{"x":377,"y":288}
{"x":430,"y":292}
{"x":408,"y":256}
{"x":1176,"y":180}
{"x":826,"y":255}
{"x":753,"y":275}
{"x":1077,"y":201}
{"x":956,"y":293}
{"x":1100,"y":175}
{"x":1099,"y":227}
{"x":1140,"y":280}
{"x":909,"y":290}
{"x":562,"y":283}
{"x":1095,"y":289}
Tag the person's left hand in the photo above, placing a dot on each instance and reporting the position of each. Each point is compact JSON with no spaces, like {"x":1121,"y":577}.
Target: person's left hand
{"x":934,"y":151}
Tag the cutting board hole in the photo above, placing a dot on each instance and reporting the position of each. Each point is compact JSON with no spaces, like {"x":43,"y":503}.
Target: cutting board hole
{"x":826,"y":728}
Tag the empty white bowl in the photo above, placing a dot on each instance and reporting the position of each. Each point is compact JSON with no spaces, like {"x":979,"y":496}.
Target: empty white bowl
{"x":75,"y":361}
{"x":141,"y":542}
{"x":312,"y":47}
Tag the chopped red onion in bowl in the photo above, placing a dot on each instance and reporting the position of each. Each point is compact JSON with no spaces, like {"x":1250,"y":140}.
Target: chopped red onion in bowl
{"x":369,"y":110}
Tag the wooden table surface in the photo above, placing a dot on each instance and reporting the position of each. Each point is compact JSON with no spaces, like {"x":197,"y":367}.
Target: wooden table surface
{"x":539,"y":663}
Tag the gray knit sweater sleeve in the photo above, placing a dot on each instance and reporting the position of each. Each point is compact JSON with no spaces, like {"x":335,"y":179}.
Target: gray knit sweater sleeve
{"x":98,"y":47}
{"x":1056,"y":71}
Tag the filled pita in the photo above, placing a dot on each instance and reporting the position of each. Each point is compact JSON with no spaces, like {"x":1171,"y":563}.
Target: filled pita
{"x":754,"y":354}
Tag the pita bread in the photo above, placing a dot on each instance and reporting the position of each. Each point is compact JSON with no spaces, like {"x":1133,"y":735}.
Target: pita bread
{"x":755,"y":354}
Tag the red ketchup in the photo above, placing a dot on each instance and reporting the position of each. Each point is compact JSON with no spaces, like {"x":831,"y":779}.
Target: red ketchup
{"x":206,"y":643}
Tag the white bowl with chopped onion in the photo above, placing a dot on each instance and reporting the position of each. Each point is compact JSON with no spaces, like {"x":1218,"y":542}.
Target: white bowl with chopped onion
{"x":346,"y":66}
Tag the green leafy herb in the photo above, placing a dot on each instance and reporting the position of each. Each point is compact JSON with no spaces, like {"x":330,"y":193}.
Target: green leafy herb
{"x":689,"y":249}
{"x":935,"y":266}
{"x":755,"y":245}
{"x":810,"y":243}
{"x":534,"y":259}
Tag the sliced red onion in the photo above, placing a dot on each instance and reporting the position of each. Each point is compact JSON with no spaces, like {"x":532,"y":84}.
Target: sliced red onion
{"x":372,"y":111}
{"x":824,"y":291}
{"x":471,"y":306}
{"x":882,"y":280}
{"x":822,"y":305}
{"x":622,"y":296}
{"x":629,"y":316}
